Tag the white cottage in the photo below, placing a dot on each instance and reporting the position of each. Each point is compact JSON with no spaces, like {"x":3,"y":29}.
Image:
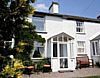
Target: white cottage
{"x":67,"y":37}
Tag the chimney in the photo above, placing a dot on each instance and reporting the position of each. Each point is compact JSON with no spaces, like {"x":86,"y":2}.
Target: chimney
{"x":54,"y":8}
{"x":98,"y":17}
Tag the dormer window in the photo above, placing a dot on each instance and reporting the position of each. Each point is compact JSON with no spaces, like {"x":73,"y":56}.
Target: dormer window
{"x":79,"y":26}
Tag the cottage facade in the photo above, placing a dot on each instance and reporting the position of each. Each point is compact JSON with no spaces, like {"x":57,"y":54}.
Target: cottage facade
{"x":67,"y":37}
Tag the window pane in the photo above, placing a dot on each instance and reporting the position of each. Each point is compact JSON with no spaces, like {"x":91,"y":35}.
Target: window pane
{"x":81,"y":43}
{"x":7,"y":44}
{"x":80,"y":50}
{"x":63,"y":63}
{"x":81,"y":47}
{"x":39,"y":23}
{"x":55,"y":39}
{"x":71,"y":50}
{"x":39,"y":50}
{"x":60,"y":38}
{"x":54,"y":49}
{"x":93,"y":48}
{"x":63,"y":50}
{"x":79,"y":27}
{"x":65,"y":39}
{"x":96,"y":45}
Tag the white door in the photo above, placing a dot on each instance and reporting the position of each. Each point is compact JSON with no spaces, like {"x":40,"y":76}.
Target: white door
{"x":60,"y":52}
{"x":63,"y":56}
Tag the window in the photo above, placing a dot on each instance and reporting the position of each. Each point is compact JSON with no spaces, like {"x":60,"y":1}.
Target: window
{"x":54,"y":49}
{"x":39,"y":23}
{"x":95,"y":47}
{"x":81,"y":47}
{"x":63,"y":50}
{"x":61,"y":38}
{"x":8,"y":44}
{"x":80,"y":26}
{"x":63,"y":63}
{"x":38,"y":51}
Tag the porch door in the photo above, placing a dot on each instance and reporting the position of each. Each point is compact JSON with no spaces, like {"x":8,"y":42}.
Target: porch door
{"x":63,"y":56}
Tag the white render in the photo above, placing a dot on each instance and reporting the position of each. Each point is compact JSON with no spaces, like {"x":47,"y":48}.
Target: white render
{"x":56,"y":25}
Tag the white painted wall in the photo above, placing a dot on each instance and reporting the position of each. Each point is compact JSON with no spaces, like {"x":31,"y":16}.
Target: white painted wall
{"x":55,"y":25}
{"x":90,"y":29}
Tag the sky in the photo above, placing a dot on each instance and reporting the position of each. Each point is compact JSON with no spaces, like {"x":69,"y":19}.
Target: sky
{"x":83,"y":8}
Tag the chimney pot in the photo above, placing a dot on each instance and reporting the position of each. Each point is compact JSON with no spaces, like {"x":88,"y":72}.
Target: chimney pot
{"x":98,"y":17}
{"x":54,"y":8}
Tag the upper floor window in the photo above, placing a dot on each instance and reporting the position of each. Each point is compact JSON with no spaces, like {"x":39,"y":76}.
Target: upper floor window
{"x":80,"y":26}
{"x":39,"y":23}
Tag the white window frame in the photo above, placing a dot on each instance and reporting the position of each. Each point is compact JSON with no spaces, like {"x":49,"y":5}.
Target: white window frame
{"x":96,"y":48}
{"x":80,"y":26}
{"x":81,"y":47}
{"x":38,"y":45}
{"x":39,"y":19}
{"x":8,"y":42}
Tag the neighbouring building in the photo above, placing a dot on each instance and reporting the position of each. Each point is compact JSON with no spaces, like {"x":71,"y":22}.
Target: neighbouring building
{"x":67,"y":37}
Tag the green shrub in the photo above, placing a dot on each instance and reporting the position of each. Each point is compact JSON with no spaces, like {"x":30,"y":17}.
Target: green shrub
{"x":14,"y":70}
{"x":41,"y":63}
{"x":98,"y":64}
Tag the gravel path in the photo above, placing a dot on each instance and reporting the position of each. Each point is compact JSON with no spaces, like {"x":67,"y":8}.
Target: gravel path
{"x":77,"y":73}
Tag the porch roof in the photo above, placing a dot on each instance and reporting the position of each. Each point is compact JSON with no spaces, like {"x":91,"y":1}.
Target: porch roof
{"x":95,"y":36}
{"x":61,"y":34}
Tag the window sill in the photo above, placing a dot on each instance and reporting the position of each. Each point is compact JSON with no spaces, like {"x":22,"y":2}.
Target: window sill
{"x":43,"y":32}
{"x":96,"y":55}
{"x":37,"y":58}
{"x":80,"y":33}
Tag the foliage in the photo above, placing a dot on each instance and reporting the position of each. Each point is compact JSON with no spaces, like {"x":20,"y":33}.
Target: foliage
{"x":28,"y":63}
{"x":13,"y":70}
{"x":98,"y":64}
{"x":41,"y":63}
{"x":14,"y":24}
{"x":91,"y":77}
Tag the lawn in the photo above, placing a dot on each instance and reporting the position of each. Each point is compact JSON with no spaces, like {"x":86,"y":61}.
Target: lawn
{"x":91,"y":77}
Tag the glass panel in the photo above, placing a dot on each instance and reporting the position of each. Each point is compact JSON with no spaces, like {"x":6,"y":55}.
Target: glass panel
{"x":55,"y":39}
{"x":63,"y":63}
{"x":79,"y":27}
{"x":81,"y":43}
{"x":65,"y":39}
{"x":63,"y":50}
{"x":80,"y":50}
{"x":93,"y":48}
{"x":96,"y":45}
{"x":71,"y":50}
{"x":60,"y":38}
{"x":81,"y":47}
{"x":39,"y":52}
{"x":7,"y":44}
{"x":54,"y":49}
{"x":39,"y":23}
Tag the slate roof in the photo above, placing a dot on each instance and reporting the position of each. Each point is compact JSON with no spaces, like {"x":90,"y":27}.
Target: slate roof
{"x":68,"y":17}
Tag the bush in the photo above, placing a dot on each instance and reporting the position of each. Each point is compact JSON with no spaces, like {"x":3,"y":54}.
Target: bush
{"x":98,"y":64}
{"x":41,"y":63}
{"x":28,"y":63}
{"x":13,"y":70}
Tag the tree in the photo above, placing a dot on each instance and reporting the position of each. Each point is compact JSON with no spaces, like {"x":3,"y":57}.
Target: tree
{"x":14,"y":24}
